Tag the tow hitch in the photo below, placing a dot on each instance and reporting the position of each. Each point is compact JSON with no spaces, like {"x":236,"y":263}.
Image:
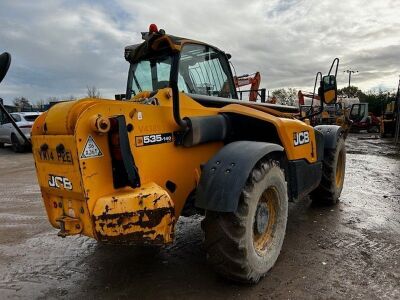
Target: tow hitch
{"x":69,"y":226}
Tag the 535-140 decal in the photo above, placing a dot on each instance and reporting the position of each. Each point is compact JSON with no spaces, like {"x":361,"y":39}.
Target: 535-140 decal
{"x":153,"y":139}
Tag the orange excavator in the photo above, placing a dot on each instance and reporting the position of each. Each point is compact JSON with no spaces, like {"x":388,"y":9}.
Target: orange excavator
{"x":301,"y":95}
{"x":306,"y":109}
{"x":250,"y":79}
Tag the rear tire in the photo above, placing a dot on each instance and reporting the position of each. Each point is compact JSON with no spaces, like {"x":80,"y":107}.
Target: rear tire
{"x":16,"y":145}
{"x":244,"y":245}
{"x":1,"y":145}
{"x":333,"y":172}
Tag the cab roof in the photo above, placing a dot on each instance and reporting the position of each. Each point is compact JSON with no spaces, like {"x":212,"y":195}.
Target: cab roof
{"x":158,"y":42}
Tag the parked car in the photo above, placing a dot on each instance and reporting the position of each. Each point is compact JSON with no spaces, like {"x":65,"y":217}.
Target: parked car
{"x":8,"y":133}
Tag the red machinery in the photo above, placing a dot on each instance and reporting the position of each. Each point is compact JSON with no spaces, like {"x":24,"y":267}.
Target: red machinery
{"x":363,"y":119}
{"x":301,"y":95}
{"x":246,"y":79}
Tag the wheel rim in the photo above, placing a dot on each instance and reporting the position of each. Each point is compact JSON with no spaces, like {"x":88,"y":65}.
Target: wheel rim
{"x":340,"y":169}
{"x":265,"y":219}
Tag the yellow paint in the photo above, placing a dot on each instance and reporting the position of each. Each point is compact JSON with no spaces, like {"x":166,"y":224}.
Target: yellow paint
{"x":330,"y":96}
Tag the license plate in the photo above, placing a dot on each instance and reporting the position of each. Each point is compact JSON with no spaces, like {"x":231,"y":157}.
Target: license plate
{"x":52,"y":156}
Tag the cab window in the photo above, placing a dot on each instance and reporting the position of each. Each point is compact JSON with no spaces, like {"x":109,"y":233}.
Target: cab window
{"x":357,"y":112}
{"x":204,"y":71}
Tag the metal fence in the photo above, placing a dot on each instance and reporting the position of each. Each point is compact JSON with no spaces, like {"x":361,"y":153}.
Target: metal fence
{"x":261,"y":94}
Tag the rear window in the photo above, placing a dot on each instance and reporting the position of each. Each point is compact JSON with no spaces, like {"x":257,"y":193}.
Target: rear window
{"x":17,"y":118}
{"x":31,"y":118}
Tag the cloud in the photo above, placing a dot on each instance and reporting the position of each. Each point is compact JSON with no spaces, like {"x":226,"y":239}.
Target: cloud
{"x":60,"y":47}
{"x":57,"y":49}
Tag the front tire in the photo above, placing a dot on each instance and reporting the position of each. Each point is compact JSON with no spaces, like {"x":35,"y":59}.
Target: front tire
{"x":333,"y":172}
{"x":244,"y":245}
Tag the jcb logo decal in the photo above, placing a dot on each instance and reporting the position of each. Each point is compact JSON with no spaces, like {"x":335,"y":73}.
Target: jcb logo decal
{"x":301,"y":138}
{"x":60,"y":182}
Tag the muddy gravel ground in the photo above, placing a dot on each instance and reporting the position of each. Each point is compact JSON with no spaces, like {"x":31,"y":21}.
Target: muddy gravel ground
{"x":351,"y":250}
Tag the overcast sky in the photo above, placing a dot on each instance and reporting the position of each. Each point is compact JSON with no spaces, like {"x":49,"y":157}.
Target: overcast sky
{"x":60,"y":47}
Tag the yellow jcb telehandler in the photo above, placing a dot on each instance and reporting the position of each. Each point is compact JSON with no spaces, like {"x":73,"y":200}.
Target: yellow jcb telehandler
{"x":178,"y":141}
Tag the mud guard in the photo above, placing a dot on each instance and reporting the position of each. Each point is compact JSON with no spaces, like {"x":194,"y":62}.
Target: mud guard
{"x":331,"y":135}
{"x":224,"y":176}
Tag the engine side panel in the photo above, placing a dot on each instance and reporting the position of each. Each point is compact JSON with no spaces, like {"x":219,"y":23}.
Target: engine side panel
{"x":297,"y":138}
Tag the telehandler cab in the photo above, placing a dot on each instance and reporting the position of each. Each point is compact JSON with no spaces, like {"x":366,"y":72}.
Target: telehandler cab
{"x":124,"y":171}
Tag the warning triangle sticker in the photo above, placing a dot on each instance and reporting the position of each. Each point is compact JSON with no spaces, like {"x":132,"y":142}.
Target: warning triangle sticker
{"x":91,"y":149}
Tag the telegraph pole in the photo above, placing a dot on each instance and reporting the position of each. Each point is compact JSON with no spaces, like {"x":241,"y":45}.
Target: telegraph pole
{"x":350,"y":72}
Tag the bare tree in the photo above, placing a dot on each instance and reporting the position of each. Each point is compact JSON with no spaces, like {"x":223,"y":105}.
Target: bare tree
{"x":71,"y":98}
{"x":52,"y":99}
{"x":40,"y":104}
{"x":21,"y":102}
{"x":93,"y":92}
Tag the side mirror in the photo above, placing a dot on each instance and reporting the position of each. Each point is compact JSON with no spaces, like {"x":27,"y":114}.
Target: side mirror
{"x":5,"y":61}
{"x":328,"y":89}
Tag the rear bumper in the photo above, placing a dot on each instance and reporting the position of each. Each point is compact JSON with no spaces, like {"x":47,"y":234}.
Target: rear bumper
{"x":144,"y":215}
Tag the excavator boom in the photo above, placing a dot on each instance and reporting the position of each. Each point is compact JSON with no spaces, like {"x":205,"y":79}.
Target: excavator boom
{"x":253,"y":79}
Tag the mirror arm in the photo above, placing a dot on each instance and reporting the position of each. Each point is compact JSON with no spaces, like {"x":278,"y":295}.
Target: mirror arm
{"x":315,"y":86}
{"x":312,"y":99}
{"x":337,"y":66}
